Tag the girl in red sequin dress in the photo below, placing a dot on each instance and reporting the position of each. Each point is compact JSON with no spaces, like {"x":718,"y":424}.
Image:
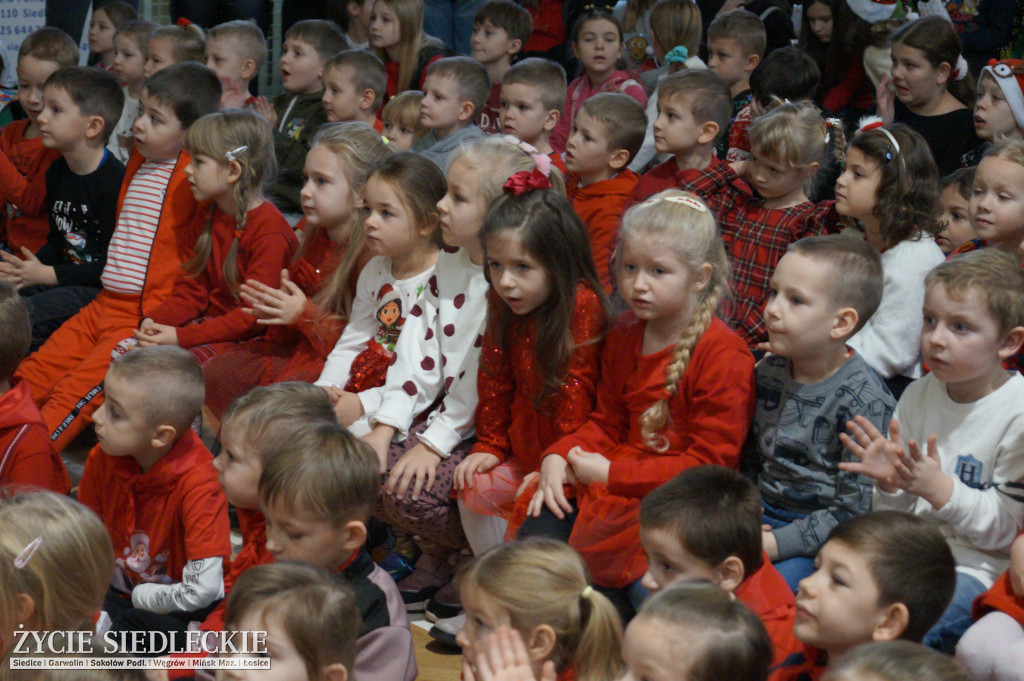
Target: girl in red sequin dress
{"x":538,"y":373}
{"x":676,"y":391}
{"x":403,"y":233}
{"x":306,"y":315}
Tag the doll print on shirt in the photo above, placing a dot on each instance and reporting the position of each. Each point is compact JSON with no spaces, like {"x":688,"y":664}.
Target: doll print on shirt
{"x":138,"y":566}
{"x":380,"y":350}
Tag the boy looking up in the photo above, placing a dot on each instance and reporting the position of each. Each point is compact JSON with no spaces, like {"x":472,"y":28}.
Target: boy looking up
{"x":81,"y":106}
{"x":29,"y":458}
{"x":235,"y":51}
{"x":532,"y":94}
{"x":298,"y":112}
{"x":736,"y":41}
{"x":355,"y":83}
{"x":823,"y":290}
{"x":608,"y":130}
{"x":144,"y":256}
{"x":705,"y":523}
{"x":151,"y":480}
{"x":453,"y":92}
{"x":955,"y":454}
{"x":23,"y":158}
{"x":500,"y":30}
{"x":693,"y":113}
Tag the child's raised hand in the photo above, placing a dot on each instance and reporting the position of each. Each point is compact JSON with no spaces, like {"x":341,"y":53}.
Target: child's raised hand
{"x":348,"y":408}
{"x":876,"y":453}
{"x":740,"y":168}
{"x":278,"y":307}
{"x":477,"y":462}
{"x":417,"y":467}
{"x":150,"y":333}
{"x":885,"y":99}
{"x":232,"y":95}
{"x":589,"y":467}
{"x":505,"y":658}
{"x":921,"y":473}
{"x":1017,"y":566}
{"x":264,"y":108}
{"x":553,"y":475}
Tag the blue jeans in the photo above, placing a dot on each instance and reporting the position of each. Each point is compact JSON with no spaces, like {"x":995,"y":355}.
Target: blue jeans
{"x":451,"y":21}
{"x":957,"y":616}
{"x":791,"y":569}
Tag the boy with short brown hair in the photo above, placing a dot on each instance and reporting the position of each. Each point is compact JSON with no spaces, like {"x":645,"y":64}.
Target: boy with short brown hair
{"x":532,"y":95}
{"x":500,"y":30}
{"x":736,"y":42}
{"x":235,"y":51}
{"x":453,"y":93}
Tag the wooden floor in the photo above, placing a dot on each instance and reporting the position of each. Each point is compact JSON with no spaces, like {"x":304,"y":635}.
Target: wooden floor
{"x":436,"y":662}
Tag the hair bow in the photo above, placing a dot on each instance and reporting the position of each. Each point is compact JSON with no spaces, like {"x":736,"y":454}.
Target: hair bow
{"x":869,"y":123}
{"x":677,"y":55}
{"x":524,"y":181}
{"x":183,"y":22}
{"x":960,"y":70}
{"x":543,"y":161}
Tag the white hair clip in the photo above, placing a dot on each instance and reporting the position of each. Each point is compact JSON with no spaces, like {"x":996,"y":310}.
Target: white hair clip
{"x":26,"y":553}
{"x":233,"y":155}
{"x":687,"y":201}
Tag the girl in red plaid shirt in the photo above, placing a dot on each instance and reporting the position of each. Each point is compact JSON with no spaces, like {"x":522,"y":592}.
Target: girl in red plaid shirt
{"x":788,"y":146}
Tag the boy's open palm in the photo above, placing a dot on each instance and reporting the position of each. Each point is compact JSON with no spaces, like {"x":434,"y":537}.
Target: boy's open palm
{"x":264,"y":108}
{"x":877,"y":454}
{"x":921,"y":473}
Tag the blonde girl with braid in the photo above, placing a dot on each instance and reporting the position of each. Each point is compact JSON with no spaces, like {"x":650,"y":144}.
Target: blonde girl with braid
{"x":240,"y":236}
{"x":676,"y":391}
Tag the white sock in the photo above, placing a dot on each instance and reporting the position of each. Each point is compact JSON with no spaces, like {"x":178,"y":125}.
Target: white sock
{"x":482,"y":531}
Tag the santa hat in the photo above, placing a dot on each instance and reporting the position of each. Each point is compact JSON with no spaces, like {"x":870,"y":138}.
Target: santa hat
{"x":1009,"y":75}
{"x":873,"y":10}
{"x":388,"y":294}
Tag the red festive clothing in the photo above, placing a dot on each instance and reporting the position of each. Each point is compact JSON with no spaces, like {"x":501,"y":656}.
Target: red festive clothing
{"x":27,"y":456}
{"x":600,"y":206}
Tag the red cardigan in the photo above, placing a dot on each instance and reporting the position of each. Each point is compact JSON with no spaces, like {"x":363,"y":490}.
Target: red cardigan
{"x":265,"y":248}
{"x":508,"y":423}
{"x":711,"y":413}
{"x":27,"y":456}
{"x":600,"y":207}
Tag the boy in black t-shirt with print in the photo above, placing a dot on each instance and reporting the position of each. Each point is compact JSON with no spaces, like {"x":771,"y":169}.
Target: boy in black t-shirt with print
{"x":81,"y":106}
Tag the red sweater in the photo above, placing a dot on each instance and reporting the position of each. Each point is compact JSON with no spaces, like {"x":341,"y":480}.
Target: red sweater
{"x":160,"y":519}
{"x":254,"y":552}
{"x":768,"y":596}
{"x":600,"y":207}
{"x":508,"y":423}
{"x":265,"y":248}
{"x":27,"y":456}
{"x":23,"y":166}
{"x":710,"y":415}
{"x":756,"y":238}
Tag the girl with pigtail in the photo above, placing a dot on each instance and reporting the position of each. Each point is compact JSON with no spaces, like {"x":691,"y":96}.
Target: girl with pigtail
{"x":306,"y":316}
{"x":788,"y":146}
{"x":241,"y":236}
{"x":676,"y":391}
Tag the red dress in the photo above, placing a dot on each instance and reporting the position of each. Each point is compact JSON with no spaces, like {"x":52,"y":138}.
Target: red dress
{"x":710,"y":415}
{"x":600,"y":206}
{"x":508,"y":422}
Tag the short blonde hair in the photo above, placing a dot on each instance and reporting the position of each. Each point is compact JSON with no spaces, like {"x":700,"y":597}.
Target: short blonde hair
{"x":249,"y":39}
{"x":404,"y":109}
{"x":174,"y":385}
{"x":495,"y":159}
{"x":269,"y":416}
{"x":68,"y":575}
{"x":543,"y":581}
{"x":996,"y":275}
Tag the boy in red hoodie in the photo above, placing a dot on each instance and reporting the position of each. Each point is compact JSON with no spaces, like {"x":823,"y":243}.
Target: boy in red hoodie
{"x":27,"y":456}
{"x":23,"y":158}
{"x":146,"y":249}
{"x":151,"y":480}
{"x":606,"y":134}
{"x":705,"y":523}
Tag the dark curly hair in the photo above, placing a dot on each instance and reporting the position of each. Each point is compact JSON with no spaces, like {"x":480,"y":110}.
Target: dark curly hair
{"x":909,"y":188}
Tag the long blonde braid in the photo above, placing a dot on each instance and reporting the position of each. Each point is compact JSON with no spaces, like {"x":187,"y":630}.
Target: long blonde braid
{"x":684,"y":223}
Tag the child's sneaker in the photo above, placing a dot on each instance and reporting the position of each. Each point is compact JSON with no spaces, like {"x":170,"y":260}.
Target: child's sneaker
{"x":444,"y":604}
{"x":430,"y":575}
{"x":444,"y":631}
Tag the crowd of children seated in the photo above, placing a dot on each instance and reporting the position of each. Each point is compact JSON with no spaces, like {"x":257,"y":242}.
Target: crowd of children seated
{"x":652,"y":340}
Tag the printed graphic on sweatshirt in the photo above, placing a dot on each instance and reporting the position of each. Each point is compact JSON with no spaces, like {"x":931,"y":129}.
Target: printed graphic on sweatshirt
{"x":138,"y":565}
{"x":74,"y":221}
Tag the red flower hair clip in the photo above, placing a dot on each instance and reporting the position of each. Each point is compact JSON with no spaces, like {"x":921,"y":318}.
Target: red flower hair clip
{"x":183,"y":22}
{"x":526,"y":181}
